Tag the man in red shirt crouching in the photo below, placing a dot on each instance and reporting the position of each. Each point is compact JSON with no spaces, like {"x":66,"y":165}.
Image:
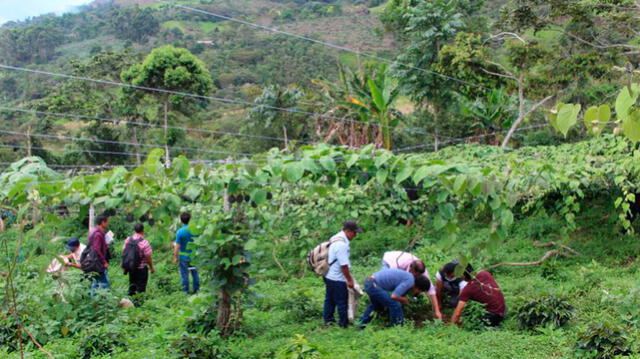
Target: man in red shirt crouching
{"x":483,"y":289}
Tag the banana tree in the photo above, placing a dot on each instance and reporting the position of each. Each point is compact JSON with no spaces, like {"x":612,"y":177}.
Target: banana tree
{"x":366,"y":99}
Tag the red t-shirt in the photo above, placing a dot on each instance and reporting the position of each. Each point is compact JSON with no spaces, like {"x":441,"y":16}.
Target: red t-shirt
{"x":484,"y":289}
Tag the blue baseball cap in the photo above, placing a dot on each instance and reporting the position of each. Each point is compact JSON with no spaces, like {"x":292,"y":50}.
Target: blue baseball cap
{"x":72,"y":244}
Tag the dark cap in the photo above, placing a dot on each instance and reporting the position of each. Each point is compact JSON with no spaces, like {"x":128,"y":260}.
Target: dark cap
{"x":72,"y":244}
{"x":352,"y":226}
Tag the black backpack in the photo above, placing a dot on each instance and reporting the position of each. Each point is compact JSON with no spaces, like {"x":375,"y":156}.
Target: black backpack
{"x":131,"y":256}
{"x":89,"y":261}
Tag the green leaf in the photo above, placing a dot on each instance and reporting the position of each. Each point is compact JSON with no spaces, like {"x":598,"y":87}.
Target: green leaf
{"x":180,"y":165}
{"x":447,"y":211}
{"x":567,"y":117}
{"x":310,"y":165}
{"x":595,"y":118}
{"x":376,"y":95}
{"x":404,"y":173}
{"x":99,"y":186}
{"x":352,"y":160}
{"x":459,"y":186}
{"x":328,"y":163}
{"x":506,"y":218}
{"x":631,"y":126}
{"x":439,"y":222}
{"x":420,"y":174}
{"x":381,"y":176}
{"x":259,"y":196}
{"x":293,"y":172}
{"x":154,"y":156}
{"x":624,"y":101}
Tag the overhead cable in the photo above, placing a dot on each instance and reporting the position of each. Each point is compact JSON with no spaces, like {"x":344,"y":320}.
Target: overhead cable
{"x":323,"y":43}
{"x":201,"y":97}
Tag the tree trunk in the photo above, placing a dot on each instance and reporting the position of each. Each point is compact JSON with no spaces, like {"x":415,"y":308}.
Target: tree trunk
{"x":224,"y":313}
{"x":29,"y":142}
{"x":166,"y":138}
{"x":386,"y":131}
{"x":284,"y":132}
{"x":521,"y":112}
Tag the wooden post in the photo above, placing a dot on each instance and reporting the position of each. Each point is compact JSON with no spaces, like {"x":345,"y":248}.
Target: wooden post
{"x":166,"y":139}
{"x":224,"y":305}
{"x":29,"y":141}
{"x":91,"y":215}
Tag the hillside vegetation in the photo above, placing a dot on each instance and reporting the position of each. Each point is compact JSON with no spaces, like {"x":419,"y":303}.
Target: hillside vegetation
{"x":501,"y":133}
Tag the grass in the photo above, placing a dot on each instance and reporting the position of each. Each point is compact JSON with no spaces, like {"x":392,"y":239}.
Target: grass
{"x":174,"y":24}
{"x":278,"y":307}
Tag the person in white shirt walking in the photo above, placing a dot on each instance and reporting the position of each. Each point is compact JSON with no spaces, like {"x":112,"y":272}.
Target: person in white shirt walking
{"x":339,"y":277}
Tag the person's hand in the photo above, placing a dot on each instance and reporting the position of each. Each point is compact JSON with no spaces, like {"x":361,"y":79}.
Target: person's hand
{"x":175,"y":260}
{"x":106,"y":266}
{"x":350,"y":283}
{"x":438,"y":315}
{"x":153,"y":270}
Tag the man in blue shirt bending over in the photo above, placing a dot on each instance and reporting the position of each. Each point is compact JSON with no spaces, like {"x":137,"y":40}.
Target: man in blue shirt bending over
{"x":182,"y":254}
{"x":399,"y":283}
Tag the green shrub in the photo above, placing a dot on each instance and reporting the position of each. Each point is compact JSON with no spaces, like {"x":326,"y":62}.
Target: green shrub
{"x":100,"y":342}
{"x":200,"y":346}
{"x":203,"y":322}
{"x":603,"y":341}
{"x":299,"y":348}
{"x":549,"y":310}
{"x":472,"y":317}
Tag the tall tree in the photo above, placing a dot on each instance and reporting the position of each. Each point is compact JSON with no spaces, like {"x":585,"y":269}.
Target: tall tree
{"x":427,"y":26}
{"x":173,"y":69}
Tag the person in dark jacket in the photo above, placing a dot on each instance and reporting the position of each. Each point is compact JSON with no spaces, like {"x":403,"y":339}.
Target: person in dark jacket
{"x":99,"y":245}
{"x":448,"y":286}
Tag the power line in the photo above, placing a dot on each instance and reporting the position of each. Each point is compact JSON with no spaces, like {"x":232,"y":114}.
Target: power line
{"x":142,"y":124}
{"x":116,"y":153}
{"x":463,"y":139}
{"x":200,"y":97}
{"x":323,"y":43}
{"x":155,"y":145}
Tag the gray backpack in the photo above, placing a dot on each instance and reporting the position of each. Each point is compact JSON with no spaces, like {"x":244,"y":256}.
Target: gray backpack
{"x":318,"y":257}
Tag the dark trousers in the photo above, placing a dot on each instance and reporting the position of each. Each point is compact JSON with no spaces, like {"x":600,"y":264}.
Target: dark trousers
{"x":138,"y":279}
{"x":381,"y":300}
{"x":337,"y":295}
{"x":492,"y":319}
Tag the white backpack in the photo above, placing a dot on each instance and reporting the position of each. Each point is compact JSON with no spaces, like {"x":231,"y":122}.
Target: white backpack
{"x":318,"y":257}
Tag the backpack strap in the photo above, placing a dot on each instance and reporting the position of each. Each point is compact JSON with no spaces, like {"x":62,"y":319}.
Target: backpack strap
{"x":332,"y":241}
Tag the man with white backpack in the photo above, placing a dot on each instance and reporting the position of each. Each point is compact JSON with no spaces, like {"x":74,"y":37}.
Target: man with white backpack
{"x":331,"y":260}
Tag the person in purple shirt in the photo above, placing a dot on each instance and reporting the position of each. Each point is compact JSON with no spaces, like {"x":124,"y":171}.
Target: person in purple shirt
{"x":378,"y":287}
{"x":99,"y":244}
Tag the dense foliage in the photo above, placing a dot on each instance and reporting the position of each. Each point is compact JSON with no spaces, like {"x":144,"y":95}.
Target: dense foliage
{"x":271,"y":142}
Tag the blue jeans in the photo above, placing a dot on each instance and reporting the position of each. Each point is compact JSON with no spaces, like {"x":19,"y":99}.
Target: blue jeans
{"x":381,"y":299}
{"x":336,"y":295}
{"x":100,"y":281}
{"x":185,"y":268}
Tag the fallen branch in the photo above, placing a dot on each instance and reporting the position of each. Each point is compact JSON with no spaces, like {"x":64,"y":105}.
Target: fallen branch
{"x":538,"y":262}
{"x":551,"y":244}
